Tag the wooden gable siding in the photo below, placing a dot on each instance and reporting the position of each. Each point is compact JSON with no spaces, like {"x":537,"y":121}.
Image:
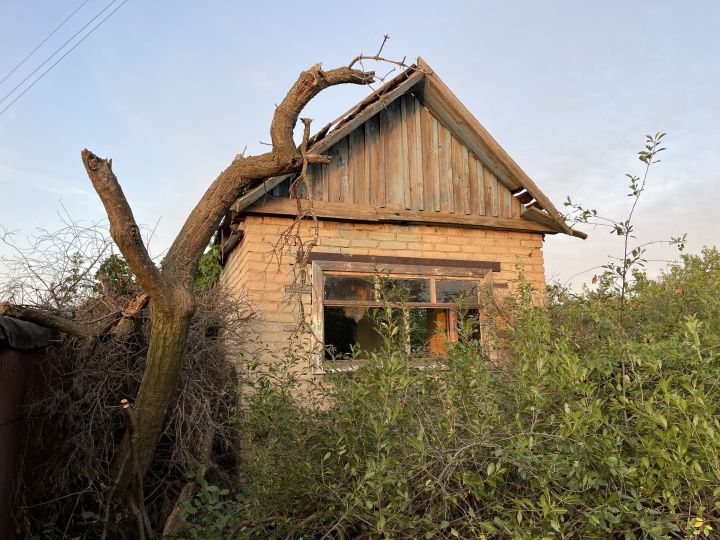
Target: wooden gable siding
{"x":404,"y":158}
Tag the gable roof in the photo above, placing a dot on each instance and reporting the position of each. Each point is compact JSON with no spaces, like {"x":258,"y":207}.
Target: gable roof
{"x":422,"y":81}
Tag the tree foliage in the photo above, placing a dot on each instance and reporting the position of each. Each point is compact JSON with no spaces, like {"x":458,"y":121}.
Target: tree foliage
{"x":548,"y":445}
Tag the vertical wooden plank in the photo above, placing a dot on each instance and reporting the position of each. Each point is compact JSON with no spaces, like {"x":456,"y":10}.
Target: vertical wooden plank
{"x":506,"y":201}
{"x":472,"y":180}
{"x":394,"y":157}
{"x":337,"y":172}
{"x":429,"y":160}
{"x":316,"y":173}
{"x":461,"y":187}
{"x":495,"y":196}
{"x":323,"y":194}
{"x":420,"y":191}
{"x":515,"y":207}
{"x":436,"y":174}
{"x":408,"y":140}
{"x":490,"y":192}
{"x":465,"y":157}
{"x":332,"y":174}
{"x":345,"y":194}
{"x":356,"y":167}
{"x":480,"y":183}
{"x":447,"y":199}
{"x":411,"y":119}
{"x":374,"y":164}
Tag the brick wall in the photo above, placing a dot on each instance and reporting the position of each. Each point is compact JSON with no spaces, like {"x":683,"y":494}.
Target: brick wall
{"x":253,"y":268}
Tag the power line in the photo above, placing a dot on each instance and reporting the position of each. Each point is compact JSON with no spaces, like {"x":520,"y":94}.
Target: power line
{"x":54,"y":53}
{"x":51,"y":34}
{"x":63,"y":56}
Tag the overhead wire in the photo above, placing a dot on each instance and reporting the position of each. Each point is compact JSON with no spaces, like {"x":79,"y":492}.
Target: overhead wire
{"x":33,"y":72}
{"x":63,"y":56}
{"x":51,"y":34}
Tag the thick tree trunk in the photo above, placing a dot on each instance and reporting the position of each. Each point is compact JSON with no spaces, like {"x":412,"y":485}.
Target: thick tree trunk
{"x":168,"y":338}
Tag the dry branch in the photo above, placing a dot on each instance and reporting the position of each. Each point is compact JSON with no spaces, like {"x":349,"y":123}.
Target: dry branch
{"x":47,"y":319}
{"x":123,"y":228}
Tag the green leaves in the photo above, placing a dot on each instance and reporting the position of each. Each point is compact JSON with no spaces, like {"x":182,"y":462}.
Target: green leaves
{"x":208,"y":269}
{"x":622,"y":270}
{"x":595,"y":426}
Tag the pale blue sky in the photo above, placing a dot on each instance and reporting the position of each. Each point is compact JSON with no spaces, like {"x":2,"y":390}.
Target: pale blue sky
{"x":172,"y":90}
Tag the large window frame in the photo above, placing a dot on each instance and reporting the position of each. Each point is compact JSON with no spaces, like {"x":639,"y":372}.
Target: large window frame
{"x":400,"y":268}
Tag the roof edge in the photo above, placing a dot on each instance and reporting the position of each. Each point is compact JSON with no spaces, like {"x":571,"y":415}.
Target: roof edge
{"x":445,"y":103}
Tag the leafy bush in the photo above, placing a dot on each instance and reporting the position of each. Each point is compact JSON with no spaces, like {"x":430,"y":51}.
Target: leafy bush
{"x":602,"y":423}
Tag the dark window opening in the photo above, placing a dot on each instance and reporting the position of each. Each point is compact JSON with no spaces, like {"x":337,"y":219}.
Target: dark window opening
{"x":349,"y":329}
{"x":430,"y":311}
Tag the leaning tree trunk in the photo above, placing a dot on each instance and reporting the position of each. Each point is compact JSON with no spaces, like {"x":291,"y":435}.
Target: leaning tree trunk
{"x":171,"y":287}
{"x":168,"y":337}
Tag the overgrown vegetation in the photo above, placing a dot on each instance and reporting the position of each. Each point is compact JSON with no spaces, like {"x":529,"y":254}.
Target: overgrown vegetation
{"x":74,"y":415}
{"x":559,"y":442}
{"x":602,"y":422}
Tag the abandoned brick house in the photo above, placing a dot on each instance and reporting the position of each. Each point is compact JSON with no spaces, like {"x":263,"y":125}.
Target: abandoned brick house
{"x":416,"y":190}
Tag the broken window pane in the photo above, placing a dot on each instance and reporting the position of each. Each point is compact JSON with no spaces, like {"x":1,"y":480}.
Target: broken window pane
{"x":351,"y":331}
{"x":348,"y":329}
{"x":456,"y":291}
{"x":355,"y":288}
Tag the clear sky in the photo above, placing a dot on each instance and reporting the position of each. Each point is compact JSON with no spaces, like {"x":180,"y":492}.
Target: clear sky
{"x":172,"y":90}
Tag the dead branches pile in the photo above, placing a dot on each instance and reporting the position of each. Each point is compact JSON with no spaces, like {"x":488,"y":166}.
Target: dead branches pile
{"x":76,"y":420}
{"x":75,"y":417}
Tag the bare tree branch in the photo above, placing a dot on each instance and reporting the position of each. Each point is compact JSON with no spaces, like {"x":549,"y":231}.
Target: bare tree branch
{"x":47,"y":319}
{"x":309,"y":84}
{"x":246,"y":172}
{"x":123,"y":228}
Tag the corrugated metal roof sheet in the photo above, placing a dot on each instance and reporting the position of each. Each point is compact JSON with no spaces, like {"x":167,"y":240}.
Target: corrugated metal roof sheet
{"x":17,"y":334}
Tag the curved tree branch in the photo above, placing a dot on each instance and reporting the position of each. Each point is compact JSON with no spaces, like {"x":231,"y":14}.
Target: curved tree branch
{"x":246,"y":172}
{"x":309,"y":84}
{"x":123,"y":228}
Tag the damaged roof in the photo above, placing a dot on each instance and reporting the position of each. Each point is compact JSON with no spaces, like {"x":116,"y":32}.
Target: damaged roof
{"x":420,"y":80}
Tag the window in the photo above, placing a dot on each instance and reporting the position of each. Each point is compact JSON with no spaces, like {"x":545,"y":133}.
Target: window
{"x":428,"y":302}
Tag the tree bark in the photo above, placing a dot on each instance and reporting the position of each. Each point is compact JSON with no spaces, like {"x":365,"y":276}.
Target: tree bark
{"x":169,"y":325}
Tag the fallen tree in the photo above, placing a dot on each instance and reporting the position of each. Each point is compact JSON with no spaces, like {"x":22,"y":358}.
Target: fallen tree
{"x":169,"y":286}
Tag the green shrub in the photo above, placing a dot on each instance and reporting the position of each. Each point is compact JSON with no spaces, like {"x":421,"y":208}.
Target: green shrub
{"x":603,"y":423}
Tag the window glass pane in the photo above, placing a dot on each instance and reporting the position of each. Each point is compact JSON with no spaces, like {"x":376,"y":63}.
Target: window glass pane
{"x":356,"y":288}
{"x":406,"y":290}
{"x":349,"y":329}
{"x":456,"y":291}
